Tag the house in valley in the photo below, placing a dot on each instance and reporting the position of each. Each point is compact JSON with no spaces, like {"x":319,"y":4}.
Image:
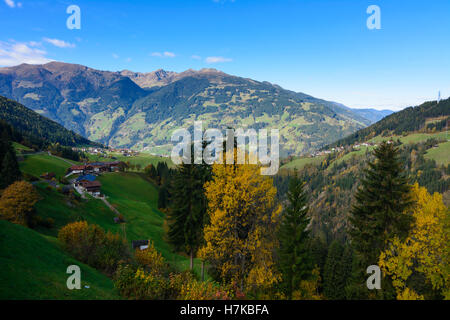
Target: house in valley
{"x":95,"y":167}
{"x":92,"y":187}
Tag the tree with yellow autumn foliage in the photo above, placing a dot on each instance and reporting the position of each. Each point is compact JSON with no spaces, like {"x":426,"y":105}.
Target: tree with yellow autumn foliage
{"x":17,"y":203}
{"x":420,"y":265}
{"x":240,"y":238}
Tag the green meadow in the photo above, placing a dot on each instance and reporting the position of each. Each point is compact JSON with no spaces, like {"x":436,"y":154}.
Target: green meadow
{"x":136,"y":199}
{"x":39,"y":163}
{"x":33,"y":266}
{"x":300,"y":163}
{"x":441,"y":154}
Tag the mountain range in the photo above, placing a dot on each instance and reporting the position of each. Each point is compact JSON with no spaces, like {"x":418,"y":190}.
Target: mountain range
{"x":140,"y":110}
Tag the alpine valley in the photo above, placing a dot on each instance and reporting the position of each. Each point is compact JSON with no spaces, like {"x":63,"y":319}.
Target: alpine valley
{"x":140,"y":110}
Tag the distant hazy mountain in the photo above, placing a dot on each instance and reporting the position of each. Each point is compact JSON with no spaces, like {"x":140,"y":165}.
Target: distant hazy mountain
{"x":372,"y":114}
{"x":140,"y":110}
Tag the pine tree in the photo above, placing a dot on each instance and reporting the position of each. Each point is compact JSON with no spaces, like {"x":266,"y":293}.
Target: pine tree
{"x":381,"y":201}
{"x":294,"y":257}
{"x":163,"y":197}
{"x":9,"y":171}
{"x":333,"y":279}
{"x":187,"y":212}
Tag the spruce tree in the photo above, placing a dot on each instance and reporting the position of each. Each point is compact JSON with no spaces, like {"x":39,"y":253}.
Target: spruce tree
{"x":9,"y":171}
{"x":186,"y":217}
{"x":333,"y":283}
{"x":295,"y":262}
{"x":379,"y":210}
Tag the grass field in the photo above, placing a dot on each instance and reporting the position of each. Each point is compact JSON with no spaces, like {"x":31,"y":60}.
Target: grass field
{"x":56,"y":206}
{"x":144,"y":159}
{"x":441,"y":154}
{"x":412,"y":138}
{"x":32,"y":266}
{"x":300,"y":163}
{"x":37,"y":164}
{"x":137,"y":199}
{"x":20,"y":148}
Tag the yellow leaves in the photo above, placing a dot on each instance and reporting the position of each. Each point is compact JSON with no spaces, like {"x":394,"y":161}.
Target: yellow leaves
{"x":425,"y":251}
{"x":409,"y":294}
{"x":240,"y":237}
{"x":151,"y":259}
{"x":17,"y":202}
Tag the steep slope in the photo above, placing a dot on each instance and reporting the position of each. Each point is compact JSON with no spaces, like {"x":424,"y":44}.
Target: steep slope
{"x":140,"y":110}
{"x":427,"y":116}
{"x":33,"y":266}
{"x":36,"y":128}
{"x":69,"y":94}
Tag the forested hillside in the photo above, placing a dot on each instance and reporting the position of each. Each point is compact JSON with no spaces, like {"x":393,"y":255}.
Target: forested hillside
{"x":32,"y":129}
{"x":428,"y":116}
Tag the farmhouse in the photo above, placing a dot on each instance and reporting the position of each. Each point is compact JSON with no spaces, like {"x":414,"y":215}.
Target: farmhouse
{"x":77,"y":169}
{"x":92,"y":187}
{"x":82,"y":179}
{"x":95,"y":167}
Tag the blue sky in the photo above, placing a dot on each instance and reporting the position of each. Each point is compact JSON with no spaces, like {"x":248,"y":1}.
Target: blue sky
{"x":318,"y":47}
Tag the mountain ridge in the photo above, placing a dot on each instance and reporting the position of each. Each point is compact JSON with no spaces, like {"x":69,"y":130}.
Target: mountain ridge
{"x":139,"y":110}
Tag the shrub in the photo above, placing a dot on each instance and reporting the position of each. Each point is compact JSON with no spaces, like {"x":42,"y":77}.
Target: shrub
{"x":151,"y":260}
{"x":17,"y":203}
{"x":134,"y":283}
{"x":91,"y":245}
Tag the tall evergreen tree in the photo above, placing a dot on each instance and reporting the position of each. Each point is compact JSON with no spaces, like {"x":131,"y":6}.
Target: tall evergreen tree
{"x":379,"y":214}
{"x":187,"y":214}
{"x":9,"y":171}
{"x":337,"y":271}
{"x":381,"y":201}
{"x":295,"y":262}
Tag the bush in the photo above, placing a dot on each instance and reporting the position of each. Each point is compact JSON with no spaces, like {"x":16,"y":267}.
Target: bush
{"x":91,"y":245}
{"x":17,"y":203}
{"x":151,"y":260}
{"x":134,"y":283}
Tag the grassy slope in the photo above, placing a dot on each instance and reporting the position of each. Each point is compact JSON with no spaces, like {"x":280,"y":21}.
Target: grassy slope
{"x":37,"y":164}
{"x":56,"y":206}
{"x":144,"y":159}
{"x":32,"y":266}
{"x":20,"y":148}
{"x":441,"y":154}
{"x":137,"y":199}
{"x":301,"y":162}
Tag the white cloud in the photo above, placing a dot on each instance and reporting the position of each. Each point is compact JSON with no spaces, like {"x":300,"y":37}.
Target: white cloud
{"x":15,"y":53}
{"x":166,"y":54}
{"x":169,"y":54}
{"x":115,"y":56}
{"x":59,"y":43}
{"x":12,"y":4}
{"x":217,"y":60}
{"x":195,"y":57}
